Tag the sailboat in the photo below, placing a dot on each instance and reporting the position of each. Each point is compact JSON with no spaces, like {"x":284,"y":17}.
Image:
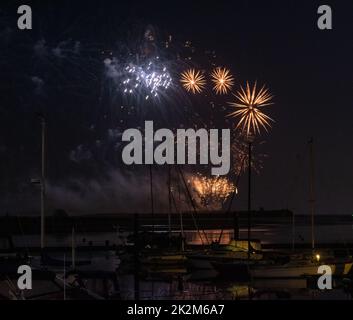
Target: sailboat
{"x":304,"y":266}
{"x":235,"y":252}
{"x":233,"y":258}
{"x":165,"y":256}
{"x":108,"y":263}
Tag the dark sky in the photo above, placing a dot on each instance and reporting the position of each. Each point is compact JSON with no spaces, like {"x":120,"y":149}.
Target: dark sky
{"x":278,"y":43}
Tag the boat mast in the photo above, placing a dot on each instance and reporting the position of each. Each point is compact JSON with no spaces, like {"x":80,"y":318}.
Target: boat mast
{"x":42,"y":184}
{"x":249,"y":198}
{"x":293,"y":231}
{"x":170,"y":203}
{"x":73,"y":249}
{"x":152,"y":200}
{"x":64,"y":277}
{"x":178,"y":210}
{"x":312,"y":199}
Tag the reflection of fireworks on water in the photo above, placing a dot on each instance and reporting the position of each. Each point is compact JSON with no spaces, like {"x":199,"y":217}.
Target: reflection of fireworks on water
{"x":248,"y":104}
{"x":193,"y":81}
{"x":222,"y":80}
{"x":211,"y":191}
{"x":240,"y":156}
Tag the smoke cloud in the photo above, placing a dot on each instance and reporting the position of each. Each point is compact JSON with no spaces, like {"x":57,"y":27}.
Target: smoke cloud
{"x":117,"y":193}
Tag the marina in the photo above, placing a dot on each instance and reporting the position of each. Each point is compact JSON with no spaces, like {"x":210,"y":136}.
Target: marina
{"x":108,"y":266}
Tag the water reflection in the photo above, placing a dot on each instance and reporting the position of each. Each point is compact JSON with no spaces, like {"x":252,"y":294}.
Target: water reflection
{"x":277,"y":233}
{"x":215,"y":289}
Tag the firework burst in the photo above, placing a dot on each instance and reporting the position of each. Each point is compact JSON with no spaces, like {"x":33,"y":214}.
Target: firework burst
{"x":148,"y":79}
{"x":212,"y":191}
{"x":248,"y":105}
{"x":222,"y":80}
{"x":193,"y":81}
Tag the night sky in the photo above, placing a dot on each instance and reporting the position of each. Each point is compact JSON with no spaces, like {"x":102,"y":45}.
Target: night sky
{"x":58,"y":69}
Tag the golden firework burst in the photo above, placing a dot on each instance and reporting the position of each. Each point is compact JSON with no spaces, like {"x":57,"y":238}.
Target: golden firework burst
{"x":212,"y":191}
{"x":248,"y":105}
{"x":193,"y":80}
{"x":223,"y":80}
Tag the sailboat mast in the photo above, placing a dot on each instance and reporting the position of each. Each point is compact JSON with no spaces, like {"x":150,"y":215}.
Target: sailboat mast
{"x":249,"y":199}
{"x":42,"y":208}
{"x":73,"y":249}
{"x":169,"y":202}
{"x":293,"y":231}
{"x":312,"y":191}
{"x":151,"y":196}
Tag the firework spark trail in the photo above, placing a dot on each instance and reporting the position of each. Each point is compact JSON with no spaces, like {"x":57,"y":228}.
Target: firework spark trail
{"x":240,"y":156}
{"x":248,"y":105}
{"x":223,"y":80}
{"x":193,"y":81}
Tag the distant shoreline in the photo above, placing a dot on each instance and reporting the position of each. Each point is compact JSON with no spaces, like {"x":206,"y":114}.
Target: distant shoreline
{"x":18,"y":225}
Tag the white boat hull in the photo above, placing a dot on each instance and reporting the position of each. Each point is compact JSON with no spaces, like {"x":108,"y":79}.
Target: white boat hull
{"x":297,"y":271}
